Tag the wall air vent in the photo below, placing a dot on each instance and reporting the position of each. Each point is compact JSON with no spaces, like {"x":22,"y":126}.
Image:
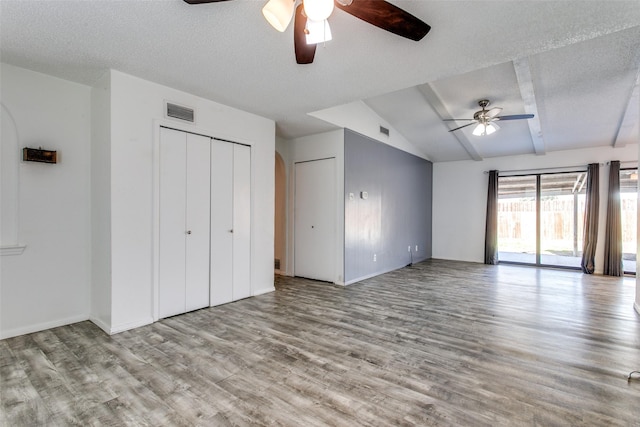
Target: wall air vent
{"x":384,"y":130}
{"x":179,"y":112}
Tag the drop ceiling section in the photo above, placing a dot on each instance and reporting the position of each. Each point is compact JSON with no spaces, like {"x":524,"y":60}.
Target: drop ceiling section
{"x":460,"y":96}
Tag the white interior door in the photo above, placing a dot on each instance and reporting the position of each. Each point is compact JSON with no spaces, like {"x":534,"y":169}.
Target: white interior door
{"x":221,"y":222}
{"x":197,"y":222}
{"x":172,"y":244}
{"x":315,"y":219}
{"x":241,"y":221}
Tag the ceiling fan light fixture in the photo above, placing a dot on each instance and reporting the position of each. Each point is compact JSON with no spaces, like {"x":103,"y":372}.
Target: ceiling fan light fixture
{"x":485,"y":129}
{"x":318,"y":10}
{"x":278,"y":13}
{"x":317,"y":31}
{"x":479,"y":130}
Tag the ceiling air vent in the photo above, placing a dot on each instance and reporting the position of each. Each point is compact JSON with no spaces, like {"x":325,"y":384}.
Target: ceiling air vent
{"x":384,"y":130}
{"x":179,"y":112}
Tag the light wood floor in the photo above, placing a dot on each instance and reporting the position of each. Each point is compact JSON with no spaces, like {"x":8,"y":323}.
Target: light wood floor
{"x":439,"y":343}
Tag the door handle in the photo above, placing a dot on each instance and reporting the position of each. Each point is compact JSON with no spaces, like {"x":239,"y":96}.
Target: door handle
{"x":188,"y":231}
{"x":231,"y":231}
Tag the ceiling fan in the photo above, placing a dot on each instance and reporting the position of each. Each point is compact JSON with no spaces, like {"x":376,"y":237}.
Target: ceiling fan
{"x":311,"y":26}
{"x":486,"y":119}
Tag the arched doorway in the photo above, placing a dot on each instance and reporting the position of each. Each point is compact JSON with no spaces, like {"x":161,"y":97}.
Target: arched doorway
{"x":280,"y":217}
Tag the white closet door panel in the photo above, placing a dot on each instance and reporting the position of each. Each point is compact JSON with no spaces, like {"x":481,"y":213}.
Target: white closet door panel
{"x":241,"y":221}
{"x":221,"y":222}
{"x":197,"y":221}
{"x":315,"y":219}
{"x":171,"y":297}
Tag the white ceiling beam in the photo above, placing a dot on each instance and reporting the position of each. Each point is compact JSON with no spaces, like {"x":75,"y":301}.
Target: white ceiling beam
{"x":628,"y":126}
{"x":525,"y":82}
{"x":434,"y":100}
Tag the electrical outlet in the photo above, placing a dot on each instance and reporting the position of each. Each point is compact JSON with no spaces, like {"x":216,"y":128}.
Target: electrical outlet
{"x":375,"y":258}
{"x":416,"y":248}
{"x":409,"y":248}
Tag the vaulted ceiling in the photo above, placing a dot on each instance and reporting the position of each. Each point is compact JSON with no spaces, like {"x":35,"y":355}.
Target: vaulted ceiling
{"x":573,"y":64}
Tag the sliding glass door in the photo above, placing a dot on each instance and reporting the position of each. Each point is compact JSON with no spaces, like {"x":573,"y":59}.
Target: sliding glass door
{"x":517,"y":218}
{"x":629,"y":218}
{"x":540,"y":219}
{"x":562,"y":199}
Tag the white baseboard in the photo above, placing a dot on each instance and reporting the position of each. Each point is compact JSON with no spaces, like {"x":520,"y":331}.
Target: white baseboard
{"x":23,"y":330}
{"x":263,"y":291}
{"x":283,"y":273}
{"x":368,"y":276}
{"x":378,"y":273}
{"x":131,"y":325}
{"x":100,"y":324}
{"x":12,"y":250}
{"x":636,"y":306}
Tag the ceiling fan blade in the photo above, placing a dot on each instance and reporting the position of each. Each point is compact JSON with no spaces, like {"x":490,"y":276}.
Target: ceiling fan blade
{"x":202,"y":1}
{"x":457,"y":120}
{"x":384,"y":15}
{"x":515,"y":117}
{"x":463,"y":126}
{"x":493,"y":112}
{"x":304,"y":52}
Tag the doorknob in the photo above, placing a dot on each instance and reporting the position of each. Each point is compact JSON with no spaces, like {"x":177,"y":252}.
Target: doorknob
{"x":231,"y":231}
{"x":188,"y":231}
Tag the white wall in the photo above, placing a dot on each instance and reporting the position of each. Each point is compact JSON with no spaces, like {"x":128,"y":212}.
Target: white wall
{"x":9,"y":183}
{"x":101,"y":202}
{"x":460,"y":197}
{"x":48,"y":284}
{"x":137,"y":108}
{"x":314,"y":147}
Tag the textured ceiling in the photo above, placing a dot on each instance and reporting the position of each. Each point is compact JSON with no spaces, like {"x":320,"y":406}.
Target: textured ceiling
{"x":576,"y":63}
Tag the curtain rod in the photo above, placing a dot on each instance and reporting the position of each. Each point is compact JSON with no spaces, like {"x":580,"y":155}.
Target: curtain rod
{"x":628,"y":162}
{"x":568,"y":168}
{"x":561,"y":168}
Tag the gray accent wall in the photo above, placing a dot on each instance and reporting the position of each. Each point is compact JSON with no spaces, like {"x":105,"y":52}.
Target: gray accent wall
{"x":388,"y":203}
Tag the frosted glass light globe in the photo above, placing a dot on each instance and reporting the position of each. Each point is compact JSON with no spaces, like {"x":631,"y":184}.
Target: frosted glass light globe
{"x":318,"y":10}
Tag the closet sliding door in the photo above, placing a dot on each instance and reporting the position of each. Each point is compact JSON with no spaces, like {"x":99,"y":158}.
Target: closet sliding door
{"x":184,"y":222}
{"x":204,"y":222}
{"x":221,"y":222}
{"x":241,"y":221}
{"x":230,"y":222}
{"x":198,"y":222}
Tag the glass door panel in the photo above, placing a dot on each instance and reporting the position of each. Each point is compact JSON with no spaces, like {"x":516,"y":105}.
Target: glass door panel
{"x":629,"y":214}
{"x":562,"y":200}
{"x":517,"y":219}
